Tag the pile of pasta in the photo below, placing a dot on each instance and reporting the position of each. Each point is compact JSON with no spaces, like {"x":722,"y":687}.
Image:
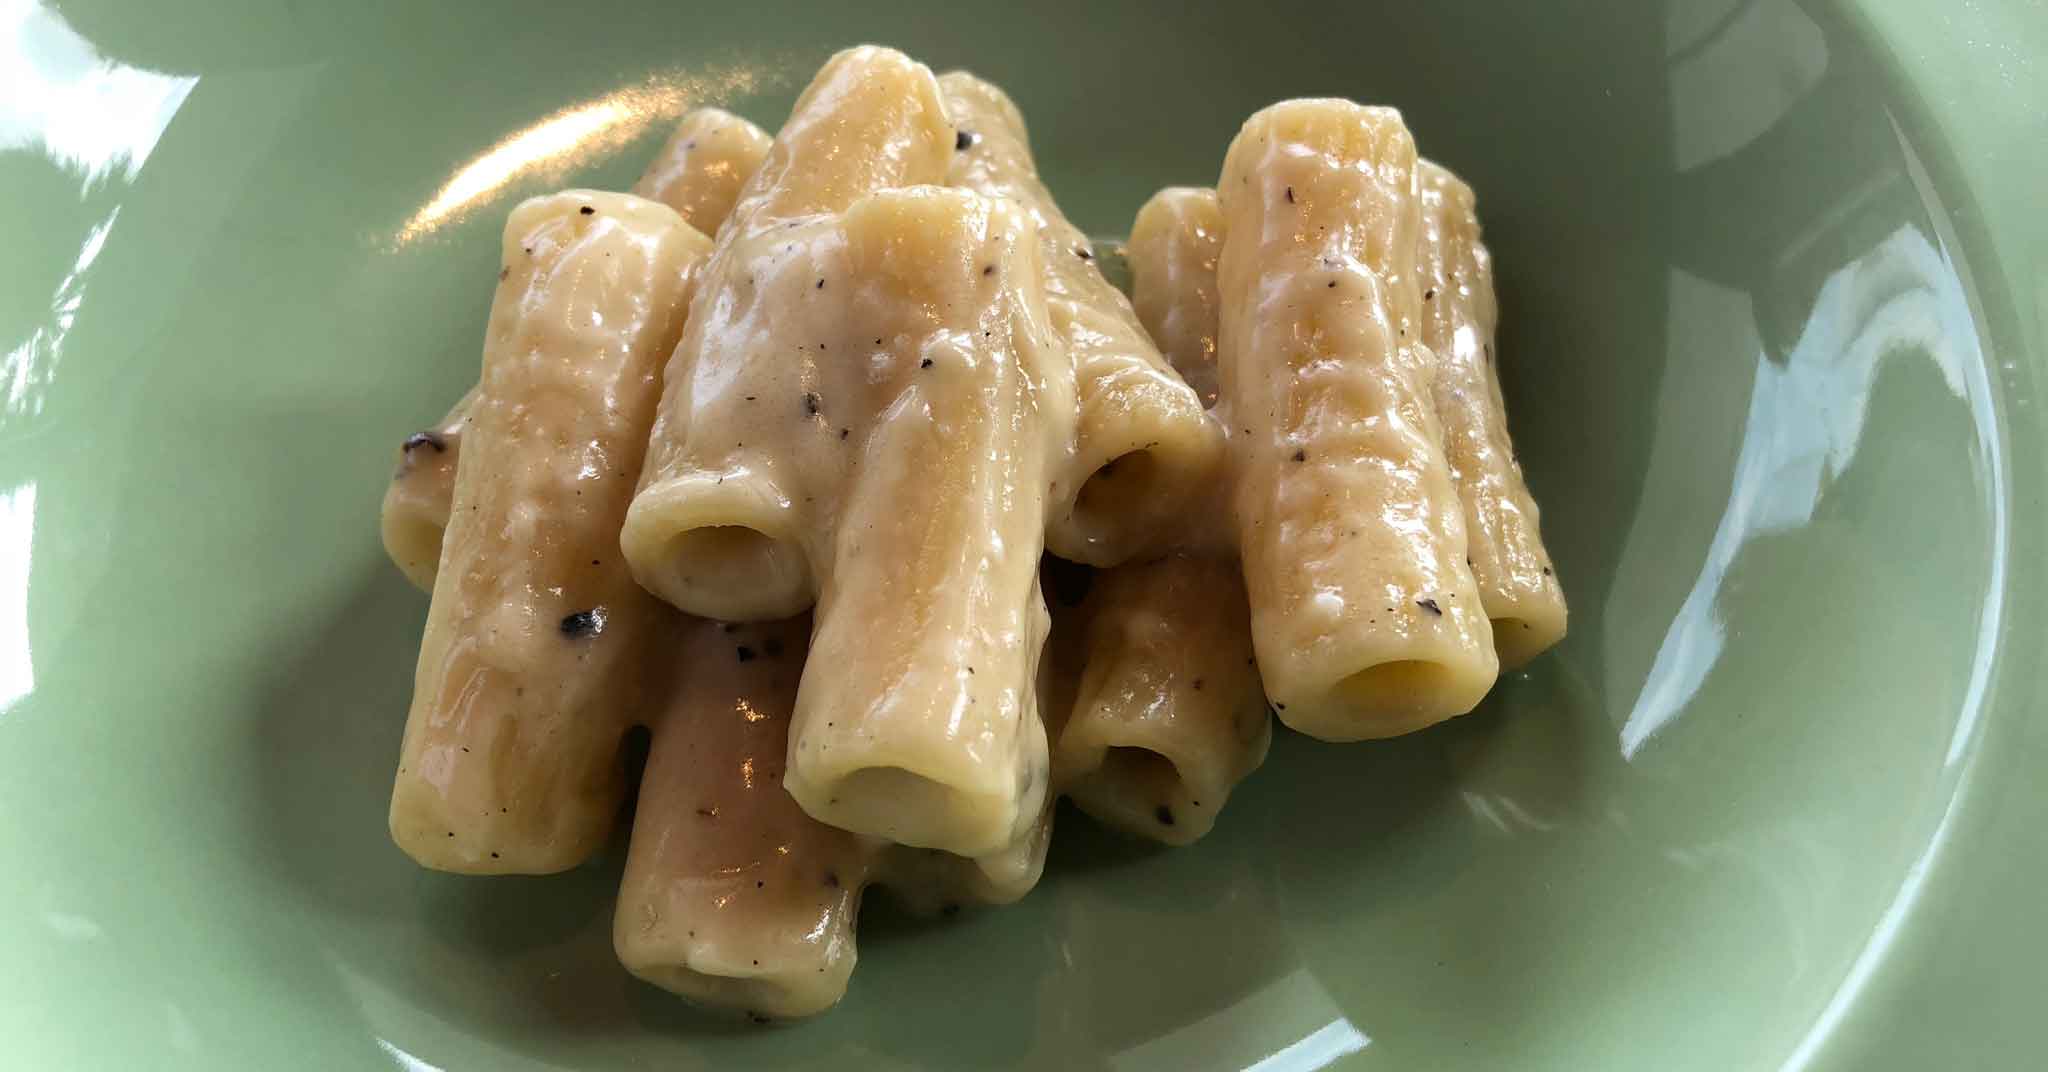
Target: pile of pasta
{"x":767,"y":456}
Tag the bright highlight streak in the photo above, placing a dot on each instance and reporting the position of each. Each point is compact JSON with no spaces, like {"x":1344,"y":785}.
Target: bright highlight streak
{"x":575,"y":134}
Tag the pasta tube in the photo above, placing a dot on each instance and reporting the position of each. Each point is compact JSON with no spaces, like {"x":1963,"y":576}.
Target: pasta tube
{"x":918,"y":718}
{"x":930,"y":882}
{"x":1142,"y":448}
{"x":530,"y":669}
{"x":732,"y":896}
{"x":1366,"y":619}
{"x":700,"y":170}
{"x":1517,"y":585}
{"x":720,"y":527}
{"x":1173,"y":249}
{"x":1170,"y":714}
{"x":698,"y":173}
{"x":415,"y":509}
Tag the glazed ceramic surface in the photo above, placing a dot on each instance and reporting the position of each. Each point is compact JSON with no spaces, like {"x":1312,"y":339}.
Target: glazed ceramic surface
{"x":1773,"y":303}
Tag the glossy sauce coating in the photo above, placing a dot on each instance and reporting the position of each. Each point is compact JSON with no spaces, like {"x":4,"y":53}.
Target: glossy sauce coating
{"x":536,"y":644}
{"x":415,"y":509}
{"x":1366,"y":618}
{"x":732,"y":896}
{"x":702,"y":167}
{"x":746,"y":462}
{"x":1517,"y":583}
{"x":1169,"y":715}
{"x":1175,"y":243}
{"x":1142,"y":446}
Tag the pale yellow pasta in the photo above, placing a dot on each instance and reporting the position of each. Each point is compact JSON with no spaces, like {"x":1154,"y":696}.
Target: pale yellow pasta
{"x":720,"y":526}
{"x":699,"y":174}
{"x":702,"y":167}
{"x":537,"y":638}
{"x":918,"y":720}
{"x":732,"y":896}
{"x":1142,"y":447}
{"x":931,"y":882}
{"x":1174,"y":244}
{"x":415,"y":511}
{"x":1170,"y":715}
{"x":1504,"y":542}
{"x":1365,"y":616}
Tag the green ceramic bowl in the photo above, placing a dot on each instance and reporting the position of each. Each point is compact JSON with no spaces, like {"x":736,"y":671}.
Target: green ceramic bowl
{"x":1774,"y":303}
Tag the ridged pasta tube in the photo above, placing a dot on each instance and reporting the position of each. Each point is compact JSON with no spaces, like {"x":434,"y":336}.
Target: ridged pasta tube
{"x":1504,"y":542}
{"x":532,"y":664}
{"x":1366,"y":618}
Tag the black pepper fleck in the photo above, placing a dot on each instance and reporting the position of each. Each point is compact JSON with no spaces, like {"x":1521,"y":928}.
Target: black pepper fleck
{"x":1290,"y":195}
{"x":821,"y":284}
{"x":1301,"y":455}
{"x":584,"y":623}
{"x":1429,"y":294}
{"x":708,"y":813}
{"x":832,"y":879}
{"x":588,"y":211}
{"x":844,"y":432}
{"x":1084,"y":254}
{"x":1430,"y":606}
{"x":1333,"y":284}
{"x":1164,"y":815}
{"x":811,"y":404}
{"x":990,"y":270}
{"x":926,"y":363}
{"x":746,"y":654}
{"x":963,"y":141}
{"x":1546,"y":571}
{"x":1196,"y":684}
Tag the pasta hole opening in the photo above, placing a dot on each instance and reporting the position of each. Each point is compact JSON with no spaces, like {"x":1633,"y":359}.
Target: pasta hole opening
{"x":1118,"y":485}
{"x":903,"y":805}
{"x":1409,"y":686}
{"x":722,"y":569}
{"x":1144,"y":770}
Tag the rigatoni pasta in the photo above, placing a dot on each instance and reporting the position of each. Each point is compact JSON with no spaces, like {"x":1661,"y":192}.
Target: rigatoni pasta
{"x":839,"y":440}
{"x":702,"y":167}
{"x":732,"y":896}
{"x":1170,"y":715}
{"x":1141,"y":448}
{"x":536,"y":642}
{"x":918,"y":720}
{"x":1175,"y":242}
{"x":1517,"y":584}
{"x":719,"y":526}
{"x":699,"y":173}
{"x":1367,"y":620}
{"x":415,"y":510}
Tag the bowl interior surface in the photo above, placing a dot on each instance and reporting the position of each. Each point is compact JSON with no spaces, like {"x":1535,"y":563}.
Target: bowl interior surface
{"x":1747,"y":368}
